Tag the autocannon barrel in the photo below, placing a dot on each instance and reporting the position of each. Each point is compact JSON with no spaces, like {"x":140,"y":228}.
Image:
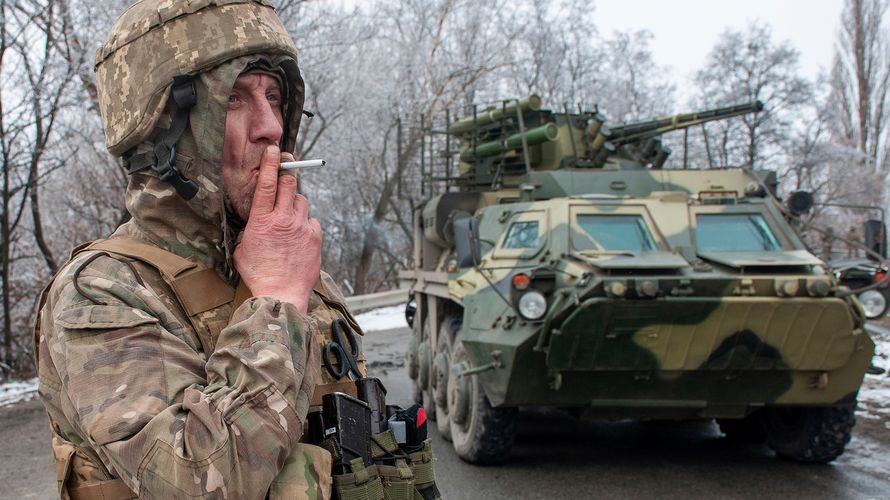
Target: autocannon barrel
{"x":634,"y":131}
{"x":539,"y":135}
{"x":491,"y":115}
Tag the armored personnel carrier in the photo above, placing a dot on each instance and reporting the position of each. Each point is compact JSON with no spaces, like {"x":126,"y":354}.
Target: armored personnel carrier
{"x":559,"y":265}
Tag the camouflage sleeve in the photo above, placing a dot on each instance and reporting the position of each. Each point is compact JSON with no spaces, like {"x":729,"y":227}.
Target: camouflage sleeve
{"x":167,"y":421}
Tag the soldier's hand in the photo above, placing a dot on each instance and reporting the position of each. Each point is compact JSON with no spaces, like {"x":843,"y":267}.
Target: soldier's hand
{"x":280,"y":251}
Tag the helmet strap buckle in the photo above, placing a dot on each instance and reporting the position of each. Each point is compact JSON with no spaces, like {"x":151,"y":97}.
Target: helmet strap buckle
{"x":162,"y":160}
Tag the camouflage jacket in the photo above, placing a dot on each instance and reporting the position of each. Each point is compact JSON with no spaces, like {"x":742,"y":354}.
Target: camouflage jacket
{"x":210,"y":405}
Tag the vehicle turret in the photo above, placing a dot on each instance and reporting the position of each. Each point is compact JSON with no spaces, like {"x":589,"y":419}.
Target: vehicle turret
{"x":500,"y":144}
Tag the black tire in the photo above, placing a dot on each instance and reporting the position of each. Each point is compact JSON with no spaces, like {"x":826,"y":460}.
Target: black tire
{"x":812,"y":435}
{"x":486,"y":437}
{"x":439,"y":377}
{"x":748,"y":430}
{"x":416,"y":392}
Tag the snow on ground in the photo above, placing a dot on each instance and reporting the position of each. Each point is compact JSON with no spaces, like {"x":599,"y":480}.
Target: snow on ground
{"x":18,"y":391}
{"x":385,"y":318}
{"x":874,"y":396}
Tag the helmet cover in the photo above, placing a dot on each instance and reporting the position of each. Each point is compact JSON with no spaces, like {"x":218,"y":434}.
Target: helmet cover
{"x":155,"y":40}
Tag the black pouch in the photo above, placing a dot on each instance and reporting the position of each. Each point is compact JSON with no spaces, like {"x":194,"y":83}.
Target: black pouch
{"x":415,"y":425}
{"x":371,"y":391}
{"x":347,"y":422}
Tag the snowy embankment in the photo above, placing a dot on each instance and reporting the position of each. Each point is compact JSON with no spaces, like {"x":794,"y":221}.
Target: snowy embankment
{"x":379,"y":319}
{"x":874,"y":396}
{"x":18,"y":391}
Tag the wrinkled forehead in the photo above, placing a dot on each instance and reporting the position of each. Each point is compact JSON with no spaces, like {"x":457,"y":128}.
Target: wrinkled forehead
{"x":257,"y":78}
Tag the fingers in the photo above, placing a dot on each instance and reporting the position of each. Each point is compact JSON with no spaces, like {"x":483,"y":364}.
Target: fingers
{"x":287,"y":190}
{"x":301,"y":207}
{"x":266,"y":183}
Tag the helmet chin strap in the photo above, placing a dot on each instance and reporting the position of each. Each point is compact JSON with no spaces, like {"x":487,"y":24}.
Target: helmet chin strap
{"x":162,"y":159}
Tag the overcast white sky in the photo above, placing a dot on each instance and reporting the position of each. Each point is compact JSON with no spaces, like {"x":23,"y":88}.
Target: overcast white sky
{"x":686,"y":30}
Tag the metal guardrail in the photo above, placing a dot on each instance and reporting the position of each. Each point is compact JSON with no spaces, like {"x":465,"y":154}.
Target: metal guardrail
{"x":374,"y":300}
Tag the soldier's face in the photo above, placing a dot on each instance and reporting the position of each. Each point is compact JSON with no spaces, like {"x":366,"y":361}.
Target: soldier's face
{"x":253,"y":121}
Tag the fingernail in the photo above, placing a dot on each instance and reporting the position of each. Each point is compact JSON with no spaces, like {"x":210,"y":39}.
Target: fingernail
{"x":272,"y":149}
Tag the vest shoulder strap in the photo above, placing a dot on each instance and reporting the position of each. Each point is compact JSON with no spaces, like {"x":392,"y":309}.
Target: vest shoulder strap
{"x":198,"y":289}
{"x":168,"y":263}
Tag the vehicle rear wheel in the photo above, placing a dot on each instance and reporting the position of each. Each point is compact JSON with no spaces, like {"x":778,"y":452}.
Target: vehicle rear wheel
{"x":815,"y":435}
{"x":874,"y":303}
{"x":441,"y":369}
{"x":480,"y":433}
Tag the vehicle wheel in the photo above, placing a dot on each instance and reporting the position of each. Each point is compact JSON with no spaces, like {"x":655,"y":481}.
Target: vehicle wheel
{"x":416,"y":392}
{"x":748,"y":430}
{"x":441,"y":369}
{"x":429,"y":406}
{"x":816,"y":435}
{"x":480,"y":434}
{"x":874,"y":303}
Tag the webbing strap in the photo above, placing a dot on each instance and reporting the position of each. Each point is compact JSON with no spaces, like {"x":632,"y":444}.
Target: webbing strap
{"x":392,"y":465}
{"x":363,"y":483}
{"x":424,"y":473}
{"x":65,"y":455}
{"x":201,"y":291}
{"x":169,"y":264}
{"x":397,"y":480}
{"x":345,"y":386}
{"x":384,"y":445}
{"x":162,"y":159}
{"x":242,"y":293}
{"x":197,"y":288}
{"x":114,"y":489}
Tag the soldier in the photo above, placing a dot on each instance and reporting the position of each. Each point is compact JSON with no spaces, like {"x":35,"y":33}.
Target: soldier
{"x":159,"y":380}
{"x":853,"y":243}
{"x":827,"y":243}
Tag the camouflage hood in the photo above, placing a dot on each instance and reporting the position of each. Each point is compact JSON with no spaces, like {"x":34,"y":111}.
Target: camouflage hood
{"x":202,"y":228}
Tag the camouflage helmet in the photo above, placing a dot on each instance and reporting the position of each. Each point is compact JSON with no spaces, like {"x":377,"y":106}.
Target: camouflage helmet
{"x":155,"y":41}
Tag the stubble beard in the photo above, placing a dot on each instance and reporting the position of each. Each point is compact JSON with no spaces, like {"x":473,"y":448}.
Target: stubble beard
{"x":239,"y":197}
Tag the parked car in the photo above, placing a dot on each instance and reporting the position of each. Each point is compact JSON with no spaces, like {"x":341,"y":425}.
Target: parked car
{"x":869,"y":280}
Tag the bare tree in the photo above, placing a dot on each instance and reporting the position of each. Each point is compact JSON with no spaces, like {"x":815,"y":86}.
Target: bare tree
{"x":860,"y":81}
{"x":37,"y":74}
{"x":749,"y":66}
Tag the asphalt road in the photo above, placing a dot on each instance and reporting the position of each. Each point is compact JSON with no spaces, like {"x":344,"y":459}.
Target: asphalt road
{"x":555,"y":456}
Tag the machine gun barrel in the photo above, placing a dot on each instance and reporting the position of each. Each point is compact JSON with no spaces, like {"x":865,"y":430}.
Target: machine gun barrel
{"x":635,"y":131}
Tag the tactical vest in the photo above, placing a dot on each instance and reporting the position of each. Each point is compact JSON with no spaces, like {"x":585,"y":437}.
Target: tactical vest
{"x":209,"y":302}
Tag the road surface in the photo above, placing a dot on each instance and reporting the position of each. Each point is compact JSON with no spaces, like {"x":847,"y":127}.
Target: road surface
{"x":557,"y":456}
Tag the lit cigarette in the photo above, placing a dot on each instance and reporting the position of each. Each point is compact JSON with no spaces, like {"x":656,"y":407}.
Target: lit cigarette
{"x":290,"y":165}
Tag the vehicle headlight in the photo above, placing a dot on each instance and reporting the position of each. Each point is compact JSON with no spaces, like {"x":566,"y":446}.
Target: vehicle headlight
{"x":532,"y":305}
